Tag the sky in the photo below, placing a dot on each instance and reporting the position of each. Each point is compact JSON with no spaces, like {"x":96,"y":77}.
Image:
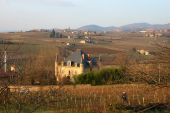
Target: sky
{"x":47,"y":14}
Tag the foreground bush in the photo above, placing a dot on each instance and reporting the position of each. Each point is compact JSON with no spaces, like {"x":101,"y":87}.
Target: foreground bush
{"x":105,"y":76}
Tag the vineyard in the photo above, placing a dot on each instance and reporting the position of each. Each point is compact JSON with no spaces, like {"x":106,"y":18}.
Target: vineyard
{"x":83,"y":98}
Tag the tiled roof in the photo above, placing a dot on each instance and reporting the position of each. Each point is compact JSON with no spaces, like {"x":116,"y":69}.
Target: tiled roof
{"x":7,"y":74}
{"x":76,"y":57}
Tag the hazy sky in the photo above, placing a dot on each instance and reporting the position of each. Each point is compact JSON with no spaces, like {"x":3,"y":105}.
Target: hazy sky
{"x":30,"y":14}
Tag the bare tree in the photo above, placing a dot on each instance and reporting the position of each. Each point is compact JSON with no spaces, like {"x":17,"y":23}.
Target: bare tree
{"x":18,"y":100}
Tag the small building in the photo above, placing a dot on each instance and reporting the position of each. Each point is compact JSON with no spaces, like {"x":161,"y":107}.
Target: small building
{"x":68,"y":44}
{"x":13,"y":68}
{"x":77,"y":63}
{"x":143,"y":52}
{"x":86,"y":33}
{"x":153,"y":34}
{"x":82,"y":42}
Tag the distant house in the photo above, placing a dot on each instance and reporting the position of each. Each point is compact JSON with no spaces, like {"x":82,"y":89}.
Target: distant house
{"x":77,"y":63}
{"x":142,"y":31}
{"x":143,"y":52}
{"x":68,"y":44}
{"x":83,"y":42}
{"x":153,"y":34}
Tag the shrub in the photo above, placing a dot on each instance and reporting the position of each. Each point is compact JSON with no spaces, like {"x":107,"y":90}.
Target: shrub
{"x":105,"y":76}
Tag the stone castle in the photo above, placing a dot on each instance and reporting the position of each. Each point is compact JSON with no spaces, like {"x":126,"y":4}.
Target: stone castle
{"x":77,"y":63}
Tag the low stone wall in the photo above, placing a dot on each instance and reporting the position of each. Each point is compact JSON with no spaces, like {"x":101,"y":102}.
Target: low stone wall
{"x":31,"y":88}
{"x":43,"y":88}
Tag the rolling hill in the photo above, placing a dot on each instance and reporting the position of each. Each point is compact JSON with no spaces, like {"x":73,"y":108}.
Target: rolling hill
{"x":126,"y":28}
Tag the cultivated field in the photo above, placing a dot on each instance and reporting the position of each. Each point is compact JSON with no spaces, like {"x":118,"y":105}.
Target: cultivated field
{"x":37,"y":53}
{"x":94,"y":99}
{"x":111,"y":44}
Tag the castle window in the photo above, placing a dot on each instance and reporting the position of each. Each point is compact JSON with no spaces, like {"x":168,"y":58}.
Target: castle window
{"x":68,"y":63}
{"x":78,"y":65}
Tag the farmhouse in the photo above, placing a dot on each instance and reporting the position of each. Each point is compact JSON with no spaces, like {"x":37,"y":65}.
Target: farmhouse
{"x":77,"y":63}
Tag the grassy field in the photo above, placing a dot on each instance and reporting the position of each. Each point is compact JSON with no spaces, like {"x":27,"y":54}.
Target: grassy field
{"x":106,"y":45}
{"x":117,"y":41}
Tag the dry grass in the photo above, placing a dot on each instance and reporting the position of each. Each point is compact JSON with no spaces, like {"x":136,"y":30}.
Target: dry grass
{"x":100,"y":99}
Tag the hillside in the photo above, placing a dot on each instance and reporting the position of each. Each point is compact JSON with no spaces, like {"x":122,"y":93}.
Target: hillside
{"x":92,"y":28}
{"x":127,"y":28}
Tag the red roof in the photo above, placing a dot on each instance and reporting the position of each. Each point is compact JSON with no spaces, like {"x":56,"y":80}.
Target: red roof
{"x":6,"y":74}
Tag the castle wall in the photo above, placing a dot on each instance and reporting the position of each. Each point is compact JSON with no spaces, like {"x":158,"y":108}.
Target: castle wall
{"x":64,"y":71}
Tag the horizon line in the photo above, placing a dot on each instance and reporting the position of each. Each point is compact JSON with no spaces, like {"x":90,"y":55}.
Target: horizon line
{"x":5,"y":31}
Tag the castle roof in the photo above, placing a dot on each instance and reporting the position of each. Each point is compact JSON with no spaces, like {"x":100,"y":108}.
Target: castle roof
{"x":77,"y":57}
{"x":80,"y":56}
